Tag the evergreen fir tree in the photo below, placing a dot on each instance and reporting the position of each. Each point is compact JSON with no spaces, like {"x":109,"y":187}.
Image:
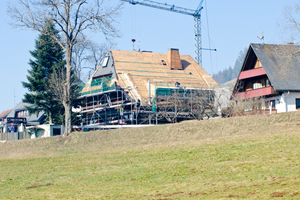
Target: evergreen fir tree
{"x":48,"y":57}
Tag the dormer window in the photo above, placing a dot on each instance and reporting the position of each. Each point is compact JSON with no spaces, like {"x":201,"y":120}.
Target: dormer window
{"x":104,"y":62}
{"x":22,"y":113}
{"x":163,"y":62}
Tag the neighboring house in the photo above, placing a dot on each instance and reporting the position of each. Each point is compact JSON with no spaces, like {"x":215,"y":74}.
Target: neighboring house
{"x":32,"y":119}
{"x":20,"y":119}
{"x":3,"y":116}
{"x":272,"y":72}
{"x":126,"y":81}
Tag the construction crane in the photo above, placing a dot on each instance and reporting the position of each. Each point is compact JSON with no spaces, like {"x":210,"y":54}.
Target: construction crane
{"x":195,"y":13}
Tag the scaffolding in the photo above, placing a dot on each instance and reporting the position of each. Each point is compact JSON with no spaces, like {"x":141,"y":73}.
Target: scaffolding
{"x":110,"y":104}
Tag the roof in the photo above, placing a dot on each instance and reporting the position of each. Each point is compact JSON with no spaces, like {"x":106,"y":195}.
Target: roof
{"x":31,"y":117}
{"x":229,"y":84}
{"x":141,"y":67}
{"x":5,"y":113}
{"x":281,"y":64}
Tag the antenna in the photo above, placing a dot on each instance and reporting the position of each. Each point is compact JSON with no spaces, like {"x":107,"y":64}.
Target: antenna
{"x":133,"y":40}
{"x":261,"y":37}
{"x":138,"y":48}
{"x":14,"y":103}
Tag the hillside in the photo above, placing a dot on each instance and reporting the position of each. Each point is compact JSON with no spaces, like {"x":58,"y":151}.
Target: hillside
{"x":253,"y":157}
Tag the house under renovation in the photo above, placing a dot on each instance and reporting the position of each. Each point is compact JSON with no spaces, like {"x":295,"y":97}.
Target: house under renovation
{"x":126,"y":86}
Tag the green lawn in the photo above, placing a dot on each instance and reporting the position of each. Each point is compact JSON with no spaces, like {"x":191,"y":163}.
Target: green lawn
{"x":255,"y":157}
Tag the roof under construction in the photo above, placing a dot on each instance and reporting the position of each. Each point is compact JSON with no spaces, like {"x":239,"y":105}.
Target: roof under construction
{"x":137,"y":71}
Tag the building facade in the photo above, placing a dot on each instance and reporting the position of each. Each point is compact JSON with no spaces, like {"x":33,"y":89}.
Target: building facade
{"x":123,"y":88}
{"x":271,"y":72}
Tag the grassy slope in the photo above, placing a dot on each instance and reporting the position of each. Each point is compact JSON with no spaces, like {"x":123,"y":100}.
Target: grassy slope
{"x":246,"y":157}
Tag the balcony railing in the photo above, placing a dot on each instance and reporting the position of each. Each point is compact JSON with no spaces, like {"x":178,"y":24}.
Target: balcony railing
{"x":252,"y":73}
{"x":256,"y":93}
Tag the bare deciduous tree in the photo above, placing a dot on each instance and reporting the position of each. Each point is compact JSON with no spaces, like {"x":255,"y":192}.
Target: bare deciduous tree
{"x":291,"y":21}
{"x":57,"y":85}
{"x":96,"y":52}
{"x":197,"y":104}
{"x":88,"y":54}
{"x":231,"y":105}
{"x":71,"y":17}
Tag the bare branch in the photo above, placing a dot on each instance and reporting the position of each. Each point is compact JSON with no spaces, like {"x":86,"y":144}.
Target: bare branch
{"x":72,"y":17}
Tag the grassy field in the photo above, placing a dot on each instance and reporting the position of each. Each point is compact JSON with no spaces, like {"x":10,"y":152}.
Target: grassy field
{"x":253,"y":157}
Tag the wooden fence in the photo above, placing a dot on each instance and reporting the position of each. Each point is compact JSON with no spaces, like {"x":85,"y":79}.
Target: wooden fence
{"x":14,"y":136}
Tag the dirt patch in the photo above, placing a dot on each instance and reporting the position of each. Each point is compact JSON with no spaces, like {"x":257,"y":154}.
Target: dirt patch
{"x":277,"y":194}
{"x":294,"y":194}
{"x":271,"y":179}
{"x":35,"y":186}
{"x":275,"y":183}
{"x":232,"y":196}
{"x":196,"y":193}
{"x":255,"y":185}
{"x":250,"y":193}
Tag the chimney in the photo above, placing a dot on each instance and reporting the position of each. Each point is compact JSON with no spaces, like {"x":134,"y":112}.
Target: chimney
{"x":173,"y":59}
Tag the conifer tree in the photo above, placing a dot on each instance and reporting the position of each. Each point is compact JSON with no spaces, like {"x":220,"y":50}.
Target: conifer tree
{"x":48,"y":57}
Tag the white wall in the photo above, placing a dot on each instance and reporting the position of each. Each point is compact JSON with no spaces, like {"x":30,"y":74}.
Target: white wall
{"x":291,"y":101}
{"x":285,"y":102}
{"x":45,"y":130}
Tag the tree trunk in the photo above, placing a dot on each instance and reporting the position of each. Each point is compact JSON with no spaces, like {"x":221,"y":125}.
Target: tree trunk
{"x":67,"y":104}
{"x":68,"y":125}
{"x":50,"y":118}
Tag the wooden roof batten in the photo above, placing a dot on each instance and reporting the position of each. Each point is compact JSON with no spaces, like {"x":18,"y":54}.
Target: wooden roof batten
{"x":134,"y":70}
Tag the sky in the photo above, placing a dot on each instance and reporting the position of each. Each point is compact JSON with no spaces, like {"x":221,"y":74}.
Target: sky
{"x":228,"y":26}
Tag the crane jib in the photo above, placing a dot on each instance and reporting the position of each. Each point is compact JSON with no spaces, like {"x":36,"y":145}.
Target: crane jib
{"x":195,"y":13}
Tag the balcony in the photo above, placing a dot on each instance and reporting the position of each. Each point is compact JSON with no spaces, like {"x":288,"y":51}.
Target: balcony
{"x":256,"y":93}
{"x":252,"y":73}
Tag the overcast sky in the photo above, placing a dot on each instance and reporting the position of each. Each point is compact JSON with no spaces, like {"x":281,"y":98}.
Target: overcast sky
{"x":232,"y":26}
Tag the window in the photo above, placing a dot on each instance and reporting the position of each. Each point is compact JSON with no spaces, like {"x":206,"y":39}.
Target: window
{"x":163,"y":62}
{"x":297,"y":103}
{"x":267,"y":83}
{"x":104,"y":62}
{"x":268,"y":103}
{"x":273,"y":104}
{"x":259,"y":64}
{"x":257,"y":85}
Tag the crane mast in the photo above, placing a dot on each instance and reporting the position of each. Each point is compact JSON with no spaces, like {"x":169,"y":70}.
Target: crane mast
{"x":195,"y":13}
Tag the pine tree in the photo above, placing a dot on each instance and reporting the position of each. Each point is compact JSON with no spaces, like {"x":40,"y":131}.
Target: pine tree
{"x":48,"y":56}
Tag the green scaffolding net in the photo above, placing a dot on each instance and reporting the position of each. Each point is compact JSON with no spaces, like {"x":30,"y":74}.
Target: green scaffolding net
{"x":106,"y":83}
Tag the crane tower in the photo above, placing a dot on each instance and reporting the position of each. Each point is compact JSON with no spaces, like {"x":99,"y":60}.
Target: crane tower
{"x":195,"y":13}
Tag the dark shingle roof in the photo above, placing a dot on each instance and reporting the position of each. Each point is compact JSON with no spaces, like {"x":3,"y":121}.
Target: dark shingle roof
{"x":281,"y":63}
{"x":31,"y":117}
